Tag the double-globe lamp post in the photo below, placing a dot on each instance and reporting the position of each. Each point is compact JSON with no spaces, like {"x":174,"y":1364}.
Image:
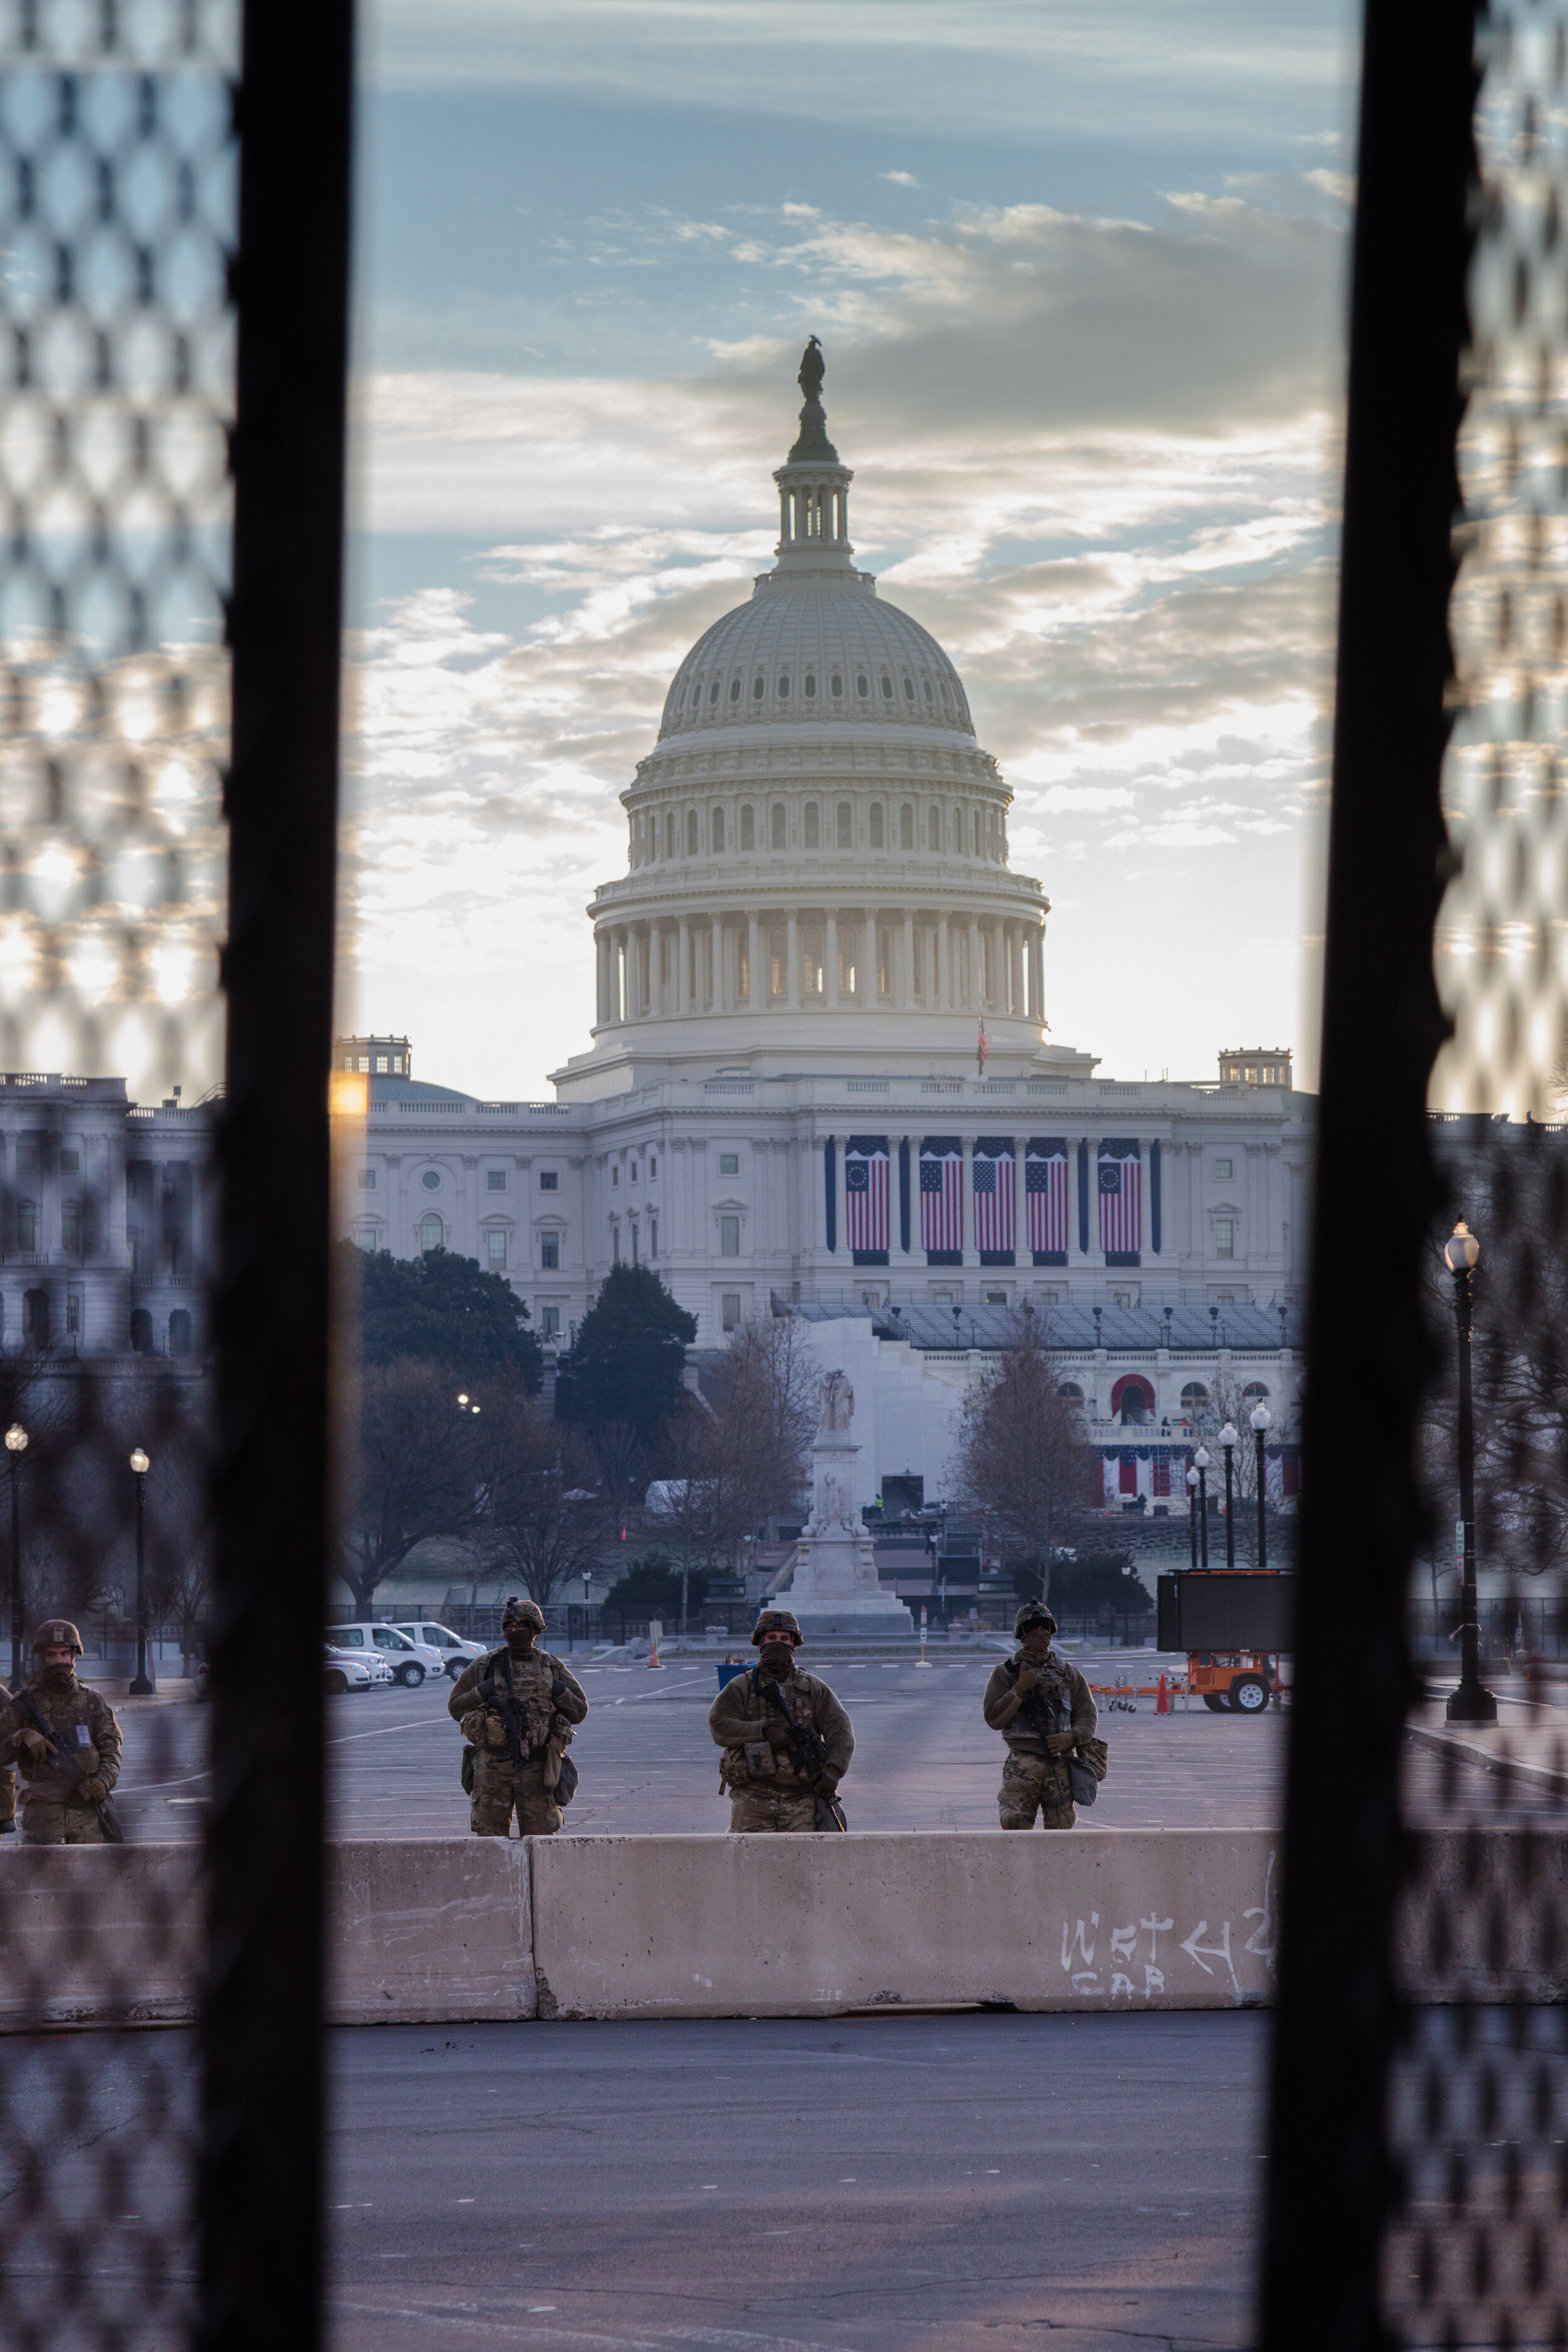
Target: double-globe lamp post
{"x":1260,"y":1418}
{"x":1200,"y":1463}
{"x":144,"y":1684}
{"x":1192,"y":1515}
{"x":1227,"y":1438}
{"x":15,"y":1446}
{"x":1472,"y":1702}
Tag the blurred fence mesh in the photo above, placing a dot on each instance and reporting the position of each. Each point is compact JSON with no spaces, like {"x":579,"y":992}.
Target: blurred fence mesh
{"x":117,"y":226}
{"x":1478,"y":2112}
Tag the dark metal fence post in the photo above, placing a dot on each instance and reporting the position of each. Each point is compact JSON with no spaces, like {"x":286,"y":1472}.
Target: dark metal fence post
{"x":261,"y":2166}
{"x":1328,"y":2174}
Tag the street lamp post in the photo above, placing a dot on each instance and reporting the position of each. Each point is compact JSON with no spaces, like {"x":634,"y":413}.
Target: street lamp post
{"x":15,"y":1446}
{"x":1260,"y":1417}
{"x":1472,"y":1702}
{"x":1227,"y":1438}
{"x":1201,"y":1462}
{"x":1192,"y":1515}
{"x":144,"y":1685}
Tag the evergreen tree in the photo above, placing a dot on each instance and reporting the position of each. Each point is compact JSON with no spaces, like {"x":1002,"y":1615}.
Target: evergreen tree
{"x":629,"y":1355}
{"x":441,"y":1310}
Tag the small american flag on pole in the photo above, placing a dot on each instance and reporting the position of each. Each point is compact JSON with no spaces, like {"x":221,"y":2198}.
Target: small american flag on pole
{"x":942,"y":1187}
{"x":1120,"y":1199}
{"x":866,"y":1192}
{"x":1045,"y":1195}
{"x":994,"y":1194}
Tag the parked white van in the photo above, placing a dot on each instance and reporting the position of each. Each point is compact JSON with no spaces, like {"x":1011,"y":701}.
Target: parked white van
{"x":410,"y":1661}
{"x":453,"y":1650}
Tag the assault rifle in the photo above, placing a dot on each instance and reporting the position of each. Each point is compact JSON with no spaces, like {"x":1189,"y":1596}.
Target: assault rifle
{"x":515,"y":1719}
{"x":1037,"y":1710}
{"x":62,"y":1764}
{"x":808,"y":1747}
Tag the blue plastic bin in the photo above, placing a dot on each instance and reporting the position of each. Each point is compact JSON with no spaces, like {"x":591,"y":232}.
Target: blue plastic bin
{"x":728,"y":1671}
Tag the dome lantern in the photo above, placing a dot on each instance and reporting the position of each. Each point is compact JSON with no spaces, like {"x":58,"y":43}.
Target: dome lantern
{"x":813,"y":487}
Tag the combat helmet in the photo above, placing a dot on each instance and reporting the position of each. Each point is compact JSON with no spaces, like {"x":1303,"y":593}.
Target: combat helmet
{"x":522,"y":1612}
{"x":1033,"y":1613}
{"x":775,"y":1621}
{"x":59,"y":1633}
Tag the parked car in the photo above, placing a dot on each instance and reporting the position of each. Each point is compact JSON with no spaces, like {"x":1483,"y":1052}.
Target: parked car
{"x":455,"y":1653}
{"x":410,"y":1661}
{"x":347,"y":1673}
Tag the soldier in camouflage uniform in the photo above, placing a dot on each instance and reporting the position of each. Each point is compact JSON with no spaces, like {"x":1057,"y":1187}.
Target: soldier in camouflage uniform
{"x":60,"y":1807}
{"x":766,"y":1791}
{"x":554,"y":1700}
{"x":1034,"y":1777}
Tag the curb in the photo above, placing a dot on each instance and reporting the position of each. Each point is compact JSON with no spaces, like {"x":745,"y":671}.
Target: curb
{"x":1486,"y":1760}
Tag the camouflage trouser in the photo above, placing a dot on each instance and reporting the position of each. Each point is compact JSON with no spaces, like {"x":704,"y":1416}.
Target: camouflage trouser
{"x":495,"y":1793}
{"x":46,"y":1822}
{"x":1031,"y":1784}
{"x":753,"y":1809}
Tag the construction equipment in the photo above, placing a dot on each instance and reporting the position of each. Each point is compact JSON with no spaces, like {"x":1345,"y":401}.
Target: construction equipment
{"x":1235,"y":1626}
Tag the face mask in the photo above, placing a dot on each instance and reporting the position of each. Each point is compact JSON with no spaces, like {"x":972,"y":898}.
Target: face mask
{"x":778,"y":1657}
{"x":520,"y":1640}
{"x":59,"y":1677}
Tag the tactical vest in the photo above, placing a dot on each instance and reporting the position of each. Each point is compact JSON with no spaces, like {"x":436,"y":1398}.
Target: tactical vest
{"x":73,"y":1715}
{"x":1056,"y":1690}
{"x":798,"y":1691}
{"x":532,"y":1683}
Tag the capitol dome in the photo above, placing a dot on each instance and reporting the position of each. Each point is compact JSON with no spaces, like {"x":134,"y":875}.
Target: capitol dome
{"x":817,"y":867}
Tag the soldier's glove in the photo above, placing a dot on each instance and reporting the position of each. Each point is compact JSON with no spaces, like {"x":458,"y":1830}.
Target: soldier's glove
{"x":827,"y":1787}
{"x":1060,"y":1743}
{"x":37,"y":1746}
{"x":1028,"y":1680}
{"x":92,"y":1792}
{"x":473,"y":1727}
{"x":495,"y":1732}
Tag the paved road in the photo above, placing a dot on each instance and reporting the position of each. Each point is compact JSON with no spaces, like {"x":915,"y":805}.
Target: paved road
{"x":924,"y":1758}
{"x":855,"y":2185}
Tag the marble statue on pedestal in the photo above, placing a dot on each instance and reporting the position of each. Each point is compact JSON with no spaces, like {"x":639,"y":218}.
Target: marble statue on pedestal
{"x":833,"y":1586}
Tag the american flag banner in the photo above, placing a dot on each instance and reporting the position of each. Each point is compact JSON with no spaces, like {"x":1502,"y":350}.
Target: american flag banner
{"x":1046,"y":1197}
{"x":865,"y":1168}
{"x":1121,"y":1201}
{"x":995,"y":1192}
{"x":942,"y":1198}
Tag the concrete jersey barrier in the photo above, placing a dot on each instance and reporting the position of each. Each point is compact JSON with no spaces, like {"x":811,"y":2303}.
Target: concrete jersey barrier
{"x":454,"y":1930}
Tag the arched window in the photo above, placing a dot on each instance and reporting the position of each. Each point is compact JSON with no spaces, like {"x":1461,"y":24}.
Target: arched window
{"x":837,"y":687}
{"x":718,"y":828}
{"x":863,"y":685}
{"x":714,"y":694}
{"x":783,"y":686}
{"x":759,"y":686}
{"x":909,"y":689}
{"x":778,"y":963}
{"x":958,"y":833}
{"x":1255,"y":1393}
{"x":1132,"y":1399}
{"x":811,"y":958}
{"x":975,"y":830}
{"x":886,"y":687}
{"x":670,"y":833}
{"x":906,"y":827}
{"x":141,"y":1331}
{"x":432,"y":1232}
{"x":734,"y":690}
{"x":812,"y":835}
{"x":180,"y":1332}
{"x":877,"y":842}
{"x":1070,"y":1392}
{"x":810,"y":686}
{"x":1195,"y":1400}
{"x":846,"y":825}
{"x":748,"y":828}
{"x":926,"y":683}
{"x":696,"y":696}
{"x":848,"y":960}
{"x":780,"y":837}
{"x":933,"y":828}
{"x":691,"y":832}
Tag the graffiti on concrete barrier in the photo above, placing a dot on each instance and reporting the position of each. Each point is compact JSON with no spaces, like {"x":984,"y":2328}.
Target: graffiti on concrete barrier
{"x":1136,"y":1948}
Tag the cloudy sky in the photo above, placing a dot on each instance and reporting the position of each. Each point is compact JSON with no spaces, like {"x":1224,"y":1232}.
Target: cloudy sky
{"x":1078,"y":270}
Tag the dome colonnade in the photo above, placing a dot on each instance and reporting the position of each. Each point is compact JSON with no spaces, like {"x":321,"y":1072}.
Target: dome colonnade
{"x":817,"y":831}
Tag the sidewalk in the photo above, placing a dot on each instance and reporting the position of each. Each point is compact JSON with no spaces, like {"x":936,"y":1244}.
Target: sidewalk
{"x":1529,"y":1740}
{"x":116,"y":1688}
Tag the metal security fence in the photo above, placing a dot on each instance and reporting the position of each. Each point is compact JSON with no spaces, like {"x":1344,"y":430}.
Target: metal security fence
{"x":173,"y":212}
{"x":1416,"y":2189}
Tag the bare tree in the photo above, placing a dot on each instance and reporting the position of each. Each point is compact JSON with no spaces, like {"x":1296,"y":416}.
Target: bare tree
{"x":416,"y":1471}
{"x":1023,"y":1463}
{"x":547,"y":1517}
{"x":1230,"y":1402}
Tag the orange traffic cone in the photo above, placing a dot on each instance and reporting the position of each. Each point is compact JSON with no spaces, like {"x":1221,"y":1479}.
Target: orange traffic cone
{"x":1163,"y":1703}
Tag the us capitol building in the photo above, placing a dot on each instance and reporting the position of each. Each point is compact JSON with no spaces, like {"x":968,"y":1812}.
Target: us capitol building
{"x":820,"y":1075}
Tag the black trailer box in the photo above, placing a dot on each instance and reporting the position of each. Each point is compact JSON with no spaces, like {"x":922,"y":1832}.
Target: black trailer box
{"x":1219,"y":1609}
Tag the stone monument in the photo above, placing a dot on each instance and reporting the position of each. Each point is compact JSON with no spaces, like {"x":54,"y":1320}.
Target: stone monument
{"x":833,"y":1586}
